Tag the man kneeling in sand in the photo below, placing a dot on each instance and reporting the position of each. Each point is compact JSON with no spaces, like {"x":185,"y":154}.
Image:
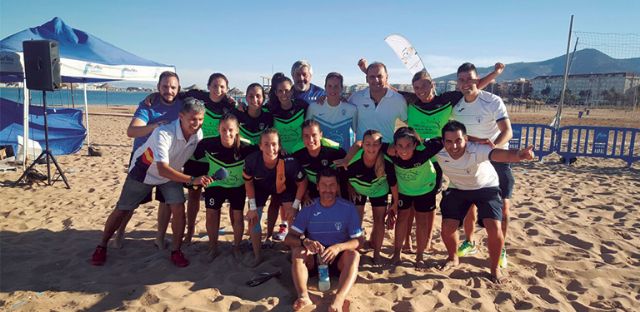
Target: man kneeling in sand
{"x":332,"y":230}
{"x":473,"y":180}
{"x":157,"y":163}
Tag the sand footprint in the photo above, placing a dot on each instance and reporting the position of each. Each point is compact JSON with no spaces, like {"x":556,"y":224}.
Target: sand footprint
{"x":543,"y":293}
{"x":574,"y":241}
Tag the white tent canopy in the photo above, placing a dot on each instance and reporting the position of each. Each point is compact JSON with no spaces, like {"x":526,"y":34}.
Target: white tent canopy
{"x":83,"y":58}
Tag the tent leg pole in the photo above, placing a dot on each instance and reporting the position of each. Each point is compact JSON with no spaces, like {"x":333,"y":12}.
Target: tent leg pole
{"x":86,"y":114}
{"x":25,"y":122}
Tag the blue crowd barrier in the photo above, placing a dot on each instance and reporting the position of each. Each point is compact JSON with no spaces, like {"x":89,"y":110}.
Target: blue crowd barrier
{"x":542,"y":137}
{"x":604,"y":142}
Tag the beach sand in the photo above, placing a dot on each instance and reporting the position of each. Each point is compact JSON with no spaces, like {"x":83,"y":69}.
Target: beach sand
{"x":573,"y":244}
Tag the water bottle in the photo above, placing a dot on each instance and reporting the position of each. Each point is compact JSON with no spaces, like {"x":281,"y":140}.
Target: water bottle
{"x":324,"y":283}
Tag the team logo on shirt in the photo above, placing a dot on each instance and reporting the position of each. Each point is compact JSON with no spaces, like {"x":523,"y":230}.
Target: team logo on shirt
{"x":344,"y":112}
{"x":338,"y":226}
{"x":300,"y":174}
{"x":461,"y":109}
{"x":366,"y":105}
{"x":261,"y":126}
{"x":324,"y":162}
{"x":478,"y":119}
{"x":400,"y":203}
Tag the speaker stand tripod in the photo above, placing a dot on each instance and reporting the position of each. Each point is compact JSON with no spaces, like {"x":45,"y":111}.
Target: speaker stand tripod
{"x":46,"y":153}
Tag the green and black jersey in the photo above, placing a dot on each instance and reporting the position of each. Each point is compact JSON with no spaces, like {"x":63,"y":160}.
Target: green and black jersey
{"x":429,"y":118}
{"x":417,"y":176}
{"x":251,"y":128}
{"x":289,"y":124}
{"x":364,"y":180}
{"x":329,"y":151}
{"x":213,"y":111}
{"x":210,"y":155}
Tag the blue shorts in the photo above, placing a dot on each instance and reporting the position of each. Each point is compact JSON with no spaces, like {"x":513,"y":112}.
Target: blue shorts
{"x":455,"y":204}
{"x":135,"y":193}
{"x":505,"y":176}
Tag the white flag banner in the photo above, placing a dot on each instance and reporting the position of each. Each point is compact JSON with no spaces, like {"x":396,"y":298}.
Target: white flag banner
{"x":405,"y":52}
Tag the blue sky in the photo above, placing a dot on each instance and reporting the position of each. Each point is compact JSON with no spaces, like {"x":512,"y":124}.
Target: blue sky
{"x":249,"y":39}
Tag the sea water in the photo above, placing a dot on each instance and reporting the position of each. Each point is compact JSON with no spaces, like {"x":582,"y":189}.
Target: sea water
{"x":66,"y":98}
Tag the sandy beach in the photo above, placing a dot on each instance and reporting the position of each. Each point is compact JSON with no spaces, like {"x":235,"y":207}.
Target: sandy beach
{"x":573,"y":244}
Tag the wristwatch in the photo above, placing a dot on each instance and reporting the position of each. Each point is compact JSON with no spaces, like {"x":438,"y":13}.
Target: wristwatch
{"x":190,"y":183}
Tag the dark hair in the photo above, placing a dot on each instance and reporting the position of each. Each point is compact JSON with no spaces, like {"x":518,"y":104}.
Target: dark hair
{"x":270,"y":131}
{"x":453,"y":126}
{"x":236,"y":141}
{"x":255,"y":85}
{"x":467,"y":67}
{"x":406,"y":133}
{"x":334,"y":75}
{"x":421,"y":75}
{"x":273,"y":97}
{"x":311,"y":123}
{"x":192,"y":105}
{"x":376,"y":64}
{"x":167,"y":74}
{"x":215,"y":76}
{"x":328,"y":172}
{"x":275,"y":81}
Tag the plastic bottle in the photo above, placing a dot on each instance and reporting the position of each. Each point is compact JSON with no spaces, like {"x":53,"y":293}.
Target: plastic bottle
{"x":324,"y":282}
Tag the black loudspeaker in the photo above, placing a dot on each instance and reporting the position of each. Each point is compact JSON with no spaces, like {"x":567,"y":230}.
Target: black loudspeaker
{"x":42,"y":64}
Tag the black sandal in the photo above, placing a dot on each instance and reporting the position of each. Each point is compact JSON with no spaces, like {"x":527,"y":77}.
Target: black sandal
{"x":262,"y":277}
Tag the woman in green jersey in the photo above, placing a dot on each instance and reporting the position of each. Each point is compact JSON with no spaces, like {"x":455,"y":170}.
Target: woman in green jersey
{"x":288,"y":115}
{"x":254,"y":118}
{"x":371,"y":175}
{"x":226,"y":151}
{"x":417,"y":188}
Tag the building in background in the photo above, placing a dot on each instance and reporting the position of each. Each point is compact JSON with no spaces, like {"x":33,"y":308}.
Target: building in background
{"x":617,"y":89}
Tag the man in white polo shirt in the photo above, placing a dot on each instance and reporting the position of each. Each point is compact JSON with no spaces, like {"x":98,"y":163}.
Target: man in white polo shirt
{"x":158,"y":163}
{"x":378,"y":105}
{"x":485,"y":116}
{"x":473,"y":180}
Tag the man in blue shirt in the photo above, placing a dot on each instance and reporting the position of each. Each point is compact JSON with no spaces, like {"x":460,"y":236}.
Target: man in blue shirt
{"x":303,"y":89}
{"x":163,"y":110}
{"x":330,"y":228}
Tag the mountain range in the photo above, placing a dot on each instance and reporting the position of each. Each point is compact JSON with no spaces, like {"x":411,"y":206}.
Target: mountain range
{"x":586,"y":61}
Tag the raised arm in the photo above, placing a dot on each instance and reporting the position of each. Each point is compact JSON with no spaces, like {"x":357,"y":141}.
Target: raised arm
{"x":362,"y":64}
{"x":509,"y":156}
{"x":486,"y":80}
